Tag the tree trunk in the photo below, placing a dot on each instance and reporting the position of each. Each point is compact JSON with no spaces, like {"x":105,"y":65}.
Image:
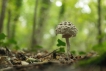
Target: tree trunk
{"x":17,"y":4}
{"x":2,"y":16}
{"x":14,"y":26}
{"x":45,"y":4}
{"x":8,"y":23}
{"x":99,"y":23}
{"x":34,"y":25}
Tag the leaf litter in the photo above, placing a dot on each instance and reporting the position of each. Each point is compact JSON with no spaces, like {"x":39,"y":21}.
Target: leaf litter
{"x":41,"y":61}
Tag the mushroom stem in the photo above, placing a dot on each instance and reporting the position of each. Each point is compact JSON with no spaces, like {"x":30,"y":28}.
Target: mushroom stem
{"x":68,"y":46}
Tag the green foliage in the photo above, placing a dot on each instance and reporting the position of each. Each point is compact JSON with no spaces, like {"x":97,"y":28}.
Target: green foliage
{"x":98,"y":60}
{"x":12,"y":41}
{"x":73,"y":52}
{"x":100,"y":48}
{"x":60,"y":43}
{"x":61,"y":50}
{"x":8,"y":42}
{"x":38,"y":47}
{"x":2,"y":36}
{"x":82,"y":52}
{"x":87,"y":62}
{"x":17,"y":47}
{"x":99,"y":57}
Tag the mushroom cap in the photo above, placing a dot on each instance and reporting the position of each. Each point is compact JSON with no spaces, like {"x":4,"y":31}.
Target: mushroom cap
{"x":67,"y":29}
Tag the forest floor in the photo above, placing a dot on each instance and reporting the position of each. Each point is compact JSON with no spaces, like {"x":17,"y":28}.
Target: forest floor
{"x":42,"y":61}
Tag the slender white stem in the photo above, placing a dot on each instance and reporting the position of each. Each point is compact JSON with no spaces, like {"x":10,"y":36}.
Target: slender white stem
{"x":68,"y":46}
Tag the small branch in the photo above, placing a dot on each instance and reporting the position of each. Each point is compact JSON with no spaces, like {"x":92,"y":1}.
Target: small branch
{"x":49,"y":53}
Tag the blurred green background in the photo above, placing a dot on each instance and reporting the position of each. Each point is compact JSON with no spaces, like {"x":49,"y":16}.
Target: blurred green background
{"x":31,"y":23}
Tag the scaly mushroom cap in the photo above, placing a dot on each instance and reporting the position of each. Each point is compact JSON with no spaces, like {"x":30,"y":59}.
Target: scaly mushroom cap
{"x":67,"y":29}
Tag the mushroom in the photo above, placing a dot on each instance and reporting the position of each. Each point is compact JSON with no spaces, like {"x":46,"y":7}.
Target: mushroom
{"x":67,"y":29}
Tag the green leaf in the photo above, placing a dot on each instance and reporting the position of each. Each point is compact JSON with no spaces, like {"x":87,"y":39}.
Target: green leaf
{"x":12,"y":41}
{"x":17,"y":47}
{"x":61,"y":43}
{"x":82,"y":52}
{"x":73,"y":52}
{"x":2,"y":36}
{"x":1,"y":42}
{"x":38,"y":46}
{"x":5,"y":44}
{"x":61,"y":49}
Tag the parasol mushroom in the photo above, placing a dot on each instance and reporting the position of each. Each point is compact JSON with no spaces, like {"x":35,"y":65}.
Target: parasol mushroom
{"x":67,"y":29}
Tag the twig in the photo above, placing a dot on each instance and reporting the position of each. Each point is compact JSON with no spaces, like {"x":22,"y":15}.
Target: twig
{"x":49,"y":53}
